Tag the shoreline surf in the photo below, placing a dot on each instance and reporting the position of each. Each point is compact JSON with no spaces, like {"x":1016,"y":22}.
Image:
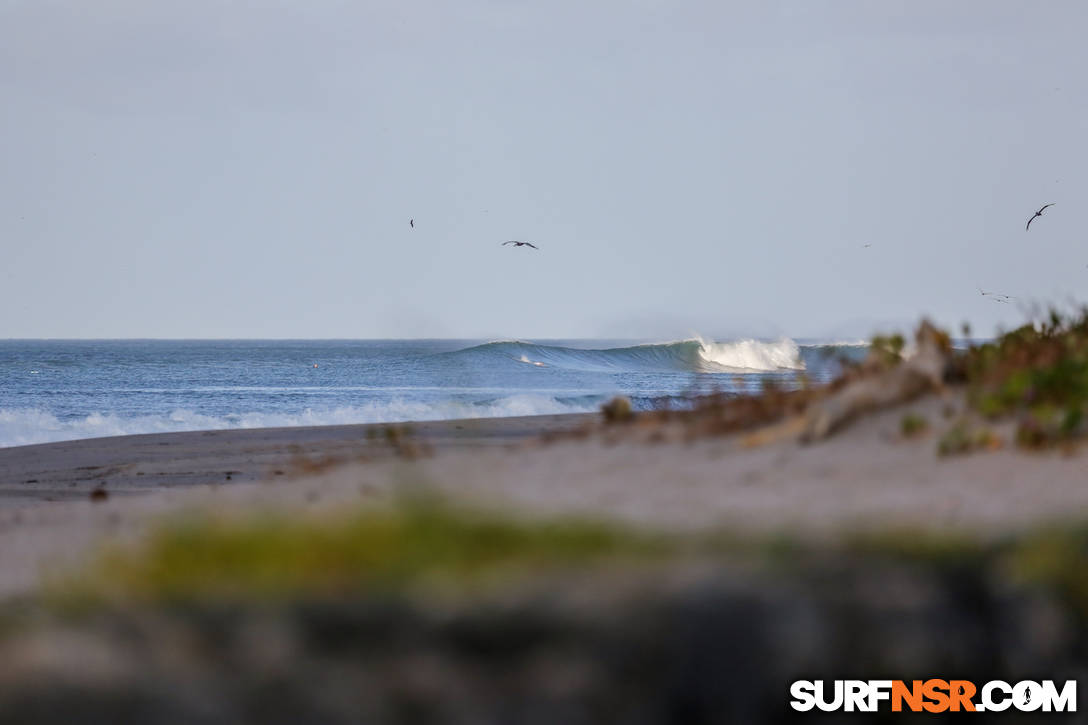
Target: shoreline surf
{"x":65,"y":390}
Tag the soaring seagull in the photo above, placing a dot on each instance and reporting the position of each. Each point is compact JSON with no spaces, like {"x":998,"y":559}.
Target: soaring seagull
{"x":996,"y":296}
{"x":516,"y":243}
{"x":412,"y":223}
{"x":1038,"y":213}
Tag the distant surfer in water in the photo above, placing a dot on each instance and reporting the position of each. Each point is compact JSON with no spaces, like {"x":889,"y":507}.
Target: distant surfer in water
{"x":516,"y":243}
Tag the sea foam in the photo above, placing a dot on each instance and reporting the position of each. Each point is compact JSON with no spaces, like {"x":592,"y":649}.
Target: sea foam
{"x":756,"y":355}
{"x":25,"y":426}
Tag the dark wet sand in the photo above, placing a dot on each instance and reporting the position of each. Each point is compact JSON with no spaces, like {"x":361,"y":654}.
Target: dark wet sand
{"x":142,"y":463}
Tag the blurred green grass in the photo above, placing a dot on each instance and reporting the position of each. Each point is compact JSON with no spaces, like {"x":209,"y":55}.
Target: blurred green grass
{"x":272,"y":555}
{"x":432,"y":545}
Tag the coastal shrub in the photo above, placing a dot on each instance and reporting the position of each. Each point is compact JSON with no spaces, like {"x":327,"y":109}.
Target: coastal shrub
{"x":618,"y":410}
{"x":912,"y":424}
{"x":956,"y":440}
{"x":1038,"y":373}
{"x":887,"y":349}
{"x":962,"y":438}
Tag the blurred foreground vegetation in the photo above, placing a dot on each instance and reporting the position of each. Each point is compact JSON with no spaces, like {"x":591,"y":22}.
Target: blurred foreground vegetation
{"x":416,"y":541}
{"x":433,"y":546}
{"x":230,"y":622}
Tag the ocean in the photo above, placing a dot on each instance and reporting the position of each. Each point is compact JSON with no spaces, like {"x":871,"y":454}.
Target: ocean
{"x":53,"y":390}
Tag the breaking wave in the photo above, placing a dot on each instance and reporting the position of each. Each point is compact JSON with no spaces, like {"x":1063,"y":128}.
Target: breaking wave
{"x":695,"y":355}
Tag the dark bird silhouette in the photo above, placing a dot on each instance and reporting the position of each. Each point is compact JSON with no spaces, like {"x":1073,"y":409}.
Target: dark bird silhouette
{"x":516,"y":243}
{"x":996,"y":296}
{"x":1038,"y":213}
{"x":412,"y":223}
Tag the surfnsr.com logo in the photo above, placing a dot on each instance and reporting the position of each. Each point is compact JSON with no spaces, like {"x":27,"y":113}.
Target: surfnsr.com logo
{"x":933,"y":696}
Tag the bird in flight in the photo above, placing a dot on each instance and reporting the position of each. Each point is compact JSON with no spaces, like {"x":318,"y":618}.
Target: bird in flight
{"x":516,"y":243}
{"x":996,"y":296}
{"x":412,"y":223}
{"x":1038,"y":213}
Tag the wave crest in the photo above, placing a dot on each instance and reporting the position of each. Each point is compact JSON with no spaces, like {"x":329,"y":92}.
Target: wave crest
{"x":694,"y":355}
{"x":746,"y":355}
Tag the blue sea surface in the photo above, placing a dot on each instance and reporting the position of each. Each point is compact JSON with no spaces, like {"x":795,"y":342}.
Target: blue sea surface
{"x":65,"y":389}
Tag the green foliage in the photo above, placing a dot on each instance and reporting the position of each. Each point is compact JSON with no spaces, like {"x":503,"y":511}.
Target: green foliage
{"x":372,"y":549}
{"x":962,"y":438}
{"x":934,"y":548}
{"x":1038,"y":373}
{"x":1057,"y":558}
{"x":888,"y":349}
{"x":618,"y":410}
{"x":382,"y":551}
{"x":1054,"y":558}
{"x":912,"y":424}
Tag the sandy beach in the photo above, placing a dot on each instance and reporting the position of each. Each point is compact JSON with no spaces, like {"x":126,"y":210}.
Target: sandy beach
{"x":868,"y":477}
{"x":68,"y":470}
{"x":529,"y":363}
{"x":671,"y":566}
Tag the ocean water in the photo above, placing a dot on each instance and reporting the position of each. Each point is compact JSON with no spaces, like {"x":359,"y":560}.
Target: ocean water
{"x":54,"y":390}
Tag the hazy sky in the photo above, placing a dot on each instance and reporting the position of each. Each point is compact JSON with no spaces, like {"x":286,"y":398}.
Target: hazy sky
{"x":248,"y":169}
